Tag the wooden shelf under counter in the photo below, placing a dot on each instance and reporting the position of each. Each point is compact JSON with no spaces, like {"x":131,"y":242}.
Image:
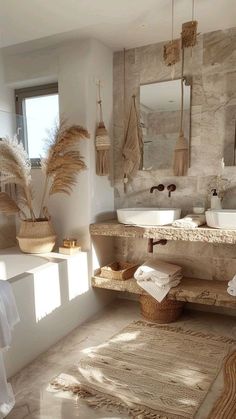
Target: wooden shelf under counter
{"x":201,"y":291}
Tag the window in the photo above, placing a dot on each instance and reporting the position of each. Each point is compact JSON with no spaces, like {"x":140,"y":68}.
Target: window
{"x":37,"y":110}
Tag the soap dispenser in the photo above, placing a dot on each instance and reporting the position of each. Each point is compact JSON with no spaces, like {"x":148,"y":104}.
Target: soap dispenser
{"x":215,"y":200}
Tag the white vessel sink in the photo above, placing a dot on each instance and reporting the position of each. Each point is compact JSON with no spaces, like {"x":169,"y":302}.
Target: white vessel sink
{"x":148,"y":216}
{"x":223,"y":218}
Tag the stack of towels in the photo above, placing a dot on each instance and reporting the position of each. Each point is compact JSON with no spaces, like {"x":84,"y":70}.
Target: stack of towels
{"x":157,"y":277}
{"x":190,"y":221}
{"x":8,"y":319}
{"x":232,"y":287}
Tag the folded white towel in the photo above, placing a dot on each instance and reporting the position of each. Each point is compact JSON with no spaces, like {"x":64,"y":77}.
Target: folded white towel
{"x":190,"y":221}
{"x":232,"y":291}
{"x":159,"y":293}
{"x":157,"y":269}
{"x":158,"y":277}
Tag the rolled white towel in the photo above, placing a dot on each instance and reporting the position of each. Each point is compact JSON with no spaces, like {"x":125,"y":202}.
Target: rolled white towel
{"x":231,"y":291}
{"x":190,"y":221}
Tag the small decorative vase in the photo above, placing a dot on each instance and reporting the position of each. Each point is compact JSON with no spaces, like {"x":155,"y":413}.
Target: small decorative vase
{"x":36,"y":236}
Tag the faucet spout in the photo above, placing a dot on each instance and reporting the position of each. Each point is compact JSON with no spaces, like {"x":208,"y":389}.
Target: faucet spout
{"x":158,"y":188}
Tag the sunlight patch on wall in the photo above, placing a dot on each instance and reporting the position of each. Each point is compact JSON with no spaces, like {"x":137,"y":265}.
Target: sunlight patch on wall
{"x":78,"y":278}
{"x":47,"y":296}
{"x":95,"y":261}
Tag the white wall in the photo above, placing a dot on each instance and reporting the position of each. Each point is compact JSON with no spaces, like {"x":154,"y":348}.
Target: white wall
{"x":7,"y":127}
{"x":76,"y":66}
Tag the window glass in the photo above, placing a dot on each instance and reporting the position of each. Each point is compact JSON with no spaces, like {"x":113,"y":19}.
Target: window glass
{"x":37,"y":113}
{"x":41,"y":115}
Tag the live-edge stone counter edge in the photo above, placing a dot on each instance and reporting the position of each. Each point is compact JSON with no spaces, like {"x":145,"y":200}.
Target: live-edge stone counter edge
{"x":203,"y":234}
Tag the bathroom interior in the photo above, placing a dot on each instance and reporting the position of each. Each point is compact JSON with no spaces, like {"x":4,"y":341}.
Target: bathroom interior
{"x":118,"y":209}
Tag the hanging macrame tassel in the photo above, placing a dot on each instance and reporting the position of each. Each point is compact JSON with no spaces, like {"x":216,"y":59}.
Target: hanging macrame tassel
{"x":103,"y":144}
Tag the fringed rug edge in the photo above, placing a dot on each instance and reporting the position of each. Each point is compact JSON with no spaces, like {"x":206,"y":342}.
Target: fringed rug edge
{"x":97,"y":400}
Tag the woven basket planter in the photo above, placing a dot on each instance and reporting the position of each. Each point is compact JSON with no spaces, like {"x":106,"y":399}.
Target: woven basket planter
{"x":165,"y":312}
{"x":36,"y":236}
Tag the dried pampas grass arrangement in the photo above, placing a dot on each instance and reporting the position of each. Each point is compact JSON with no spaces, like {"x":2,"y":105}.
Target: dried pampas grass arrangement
{"x":61,"y":165}
{"x":63,"y":161}
{"x":15,"y":168}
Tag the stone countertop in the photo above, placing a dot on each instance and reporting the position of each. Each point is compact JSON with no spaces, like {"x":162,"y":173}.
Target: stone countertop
{"x":192,"y":290}
{"x":168,"y":232}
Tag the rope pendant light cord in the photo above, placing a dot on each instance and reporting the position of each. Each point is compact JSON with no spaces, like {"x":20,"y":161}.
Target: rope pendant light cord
{"x":182,"y":91}
{"x":192,"y":10}
{"x":172,"y":20}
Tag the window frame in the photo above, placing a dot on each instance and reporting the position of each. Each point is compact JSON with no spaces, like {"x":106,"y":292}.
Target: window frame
{"x":21,"y":123}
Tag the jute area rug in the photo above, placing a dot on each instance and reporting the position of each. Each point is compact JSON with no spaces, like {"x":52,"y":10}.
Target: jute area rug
{"x":150,"y":371}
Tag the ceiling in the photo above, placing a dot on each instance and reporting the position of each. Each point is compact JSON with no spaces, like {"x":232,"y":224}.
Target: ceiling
{"x":117,"y":23}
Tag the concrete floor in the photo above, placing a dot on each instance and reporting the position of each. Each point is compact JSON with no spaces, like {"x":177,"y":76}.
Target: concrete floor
{"x":34,"y":398}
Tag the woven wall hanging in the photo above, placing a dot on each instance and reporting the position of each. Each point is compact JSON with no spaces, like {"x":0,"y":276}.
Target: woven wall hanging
{"x":102,"y":142}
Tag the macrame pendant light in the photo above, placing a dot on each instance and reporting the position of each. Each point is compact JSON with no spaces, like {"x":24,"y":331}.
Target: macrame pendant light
{"x":189,"y":32}
{"x":181,"y":153}
{"x":102,"y":142}
{"x":171,"y":53}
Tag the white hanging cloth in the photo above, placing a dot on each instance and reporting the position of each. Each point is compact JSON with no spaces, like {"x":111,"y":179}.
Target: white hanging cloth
{"x":8,"y":319}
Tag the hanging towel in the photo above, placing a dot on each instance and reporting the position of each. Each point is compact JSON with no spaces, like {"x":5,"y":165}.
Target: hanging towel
{"x":190,"y":221}
{"x":157,"y":278}
{"x":232,"y":287}
{"x":133,"y":145}
{"x":8,"y":319}
{"x":7,"y":399}
{"x":8,"y":314}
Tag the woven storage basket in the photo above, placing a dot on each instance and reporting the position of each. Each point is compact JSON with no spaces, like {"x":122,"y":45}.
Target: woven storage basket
{"x":165,"y":312}
{"x":119,"y":270}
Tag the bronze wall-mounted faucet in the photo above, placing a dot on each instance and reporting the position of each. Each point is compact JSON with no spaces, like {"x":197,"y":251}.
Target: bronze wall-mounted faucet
{"x":160,"y":188}
{"x":171,"y":188}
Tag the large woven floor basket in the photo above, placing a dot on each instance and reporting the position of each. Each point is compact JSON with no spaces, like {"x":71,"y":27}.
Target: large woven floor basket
{"x":165,"y":312}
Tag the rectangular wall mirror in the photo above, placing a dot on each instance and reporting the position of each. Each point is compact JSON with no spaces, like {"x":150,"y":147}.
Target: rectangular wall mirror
{"x":229,"y":115}
{"x":160,"y":105}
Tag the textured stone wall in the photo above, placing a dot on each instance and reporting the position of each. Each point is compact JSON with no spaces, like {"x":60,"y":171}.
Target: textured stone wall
{"x":213,"y":69}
